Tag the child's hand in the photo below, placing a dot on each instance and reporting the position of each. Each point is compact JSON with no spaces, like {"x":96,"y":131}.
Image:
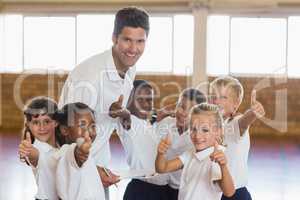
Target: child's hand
{"x":256,"y":106}
{"x":82,"y":149}
{"x":164,"y":145}
{"x":116,"y":107}
{"x":27,"y":150}
{"x":218,"y":156}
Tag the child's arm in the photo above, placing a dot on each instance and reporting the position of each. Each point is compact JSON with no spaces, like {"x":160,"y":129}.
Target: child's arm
{"x":161,"y":164}
{"x":256,"y":111}
{"x":166,"y":111}
{"x":226,"y":183}
{"x":28,"y":151}
{"x":82,"y":149}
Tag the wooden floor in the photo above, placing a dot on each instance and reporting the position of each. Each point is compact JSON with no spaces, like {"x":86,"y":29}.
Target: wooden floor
{"x":274,"y":170}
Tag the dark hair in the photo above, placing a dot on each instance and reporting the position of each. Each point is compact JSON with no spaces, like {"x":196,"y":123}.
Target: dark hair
{"x":132,"y":17}
{"x":137,"y":84}
{"x":35,"y":107}
{"x":193,"y":94}
{"x":66,"y":116}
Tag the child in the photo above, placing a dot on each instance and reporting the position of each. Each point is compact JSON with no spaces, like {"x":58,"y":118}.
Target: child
{"x":140,"y":145}
{"x":177,"y":128}
{"x":39,"y":143}
{"x":227,"y":93}
{"x":77,"y":175}
{"x":201,"y":177}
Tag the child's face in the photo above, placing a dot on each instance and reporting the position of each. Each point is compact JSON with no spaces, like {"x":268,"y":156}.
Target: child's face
{"x":43,"y":128}
{"x":227,"y":100}
{"x":82,"y":122}
{"x":183,"y":108}
{"x":143,"y":102}
{"x":204,"y":131}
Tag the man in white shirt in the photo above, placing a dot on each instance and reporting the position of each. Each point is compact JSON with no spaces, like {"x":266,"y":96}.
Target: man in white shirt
{"x":177,"y":129}
{"x":104,"y":82}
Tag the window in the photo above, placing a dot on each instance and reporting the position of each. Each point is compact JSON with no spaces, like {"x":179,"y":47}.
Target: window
{"x":249,"y":45}
{"x":49,"y":42}
{"x":11,"y":43}
{"x":294,"y":46}
{"x":62,"y":42}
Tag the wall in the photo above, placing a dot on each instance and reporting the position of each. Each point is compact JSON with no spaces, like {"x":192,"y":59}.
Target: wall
{"x":17,"y":89}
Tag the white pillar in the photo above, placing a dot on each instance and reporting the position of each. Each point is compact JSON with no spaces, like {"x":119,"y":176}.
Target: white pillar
{"x":200,"y":14}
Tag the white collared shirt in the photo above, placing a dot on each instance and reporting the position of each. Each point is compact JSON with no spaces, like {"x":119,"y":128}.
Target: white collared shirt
{"x":237,"y":151}
{"x":97,"y":83}
{"x":199,"y":176}
{"x":45,"y":170}
{"x":74,"y":182}
{"x":140,"y":144}
{"x":180,"y":144}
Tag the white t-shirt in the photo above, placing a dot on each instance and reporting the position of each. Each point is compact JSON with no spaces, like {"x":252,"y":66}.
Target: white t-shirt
{"x":74,"y":182}
{"x":140,"y":144}
{"x":237,"y":151}
{"x":180,"y":144}
{"x":45,"y":170}
{"x":199,"y":175}
{"x":97,"y":83}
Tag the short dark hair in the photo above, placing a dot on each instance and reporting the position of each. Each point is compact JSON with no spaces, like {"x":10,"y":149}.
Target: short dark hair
{"x":65,"y":117}
{"x":132,"y":17}
{"x":193,"y":94}
{"x":141,"y":84}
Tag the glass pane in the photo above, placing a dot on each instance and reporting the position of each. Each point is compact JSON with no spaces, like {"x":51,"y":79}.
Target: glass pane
{"x":294,"y":47}
{"x":49,"y":43}
{"x":94,"y":35}
{"x":11,"y":43}
{"x":217,"y":45}
{"x":157,"y":56}
{"x":183,"y":44}
{"x":258,"y":45}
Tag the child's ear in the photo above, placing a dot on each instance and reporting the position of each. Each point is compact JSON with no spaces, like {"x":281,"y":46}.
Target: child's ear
{"x":55,"y":124}
{"x":64,"y":130}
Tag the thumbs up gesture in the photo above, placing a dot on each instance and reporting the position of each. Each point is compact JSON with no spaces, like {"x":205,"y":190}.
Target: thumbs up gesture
{"x":27,"y":152}
{"x":218,"y":156}
{"x":256,"y":107}
{"x":82,"y":149}
{"x":116,"y":107}
{"x":116,"y":110}
{"x":164,"y":144}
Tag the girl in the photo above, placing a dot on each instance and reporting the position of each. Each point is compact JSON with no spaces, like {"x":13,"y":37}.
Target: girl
{"x":39,"y":143}
{"x":227,"y":93}
{"x":201,"y":178}
{"x":77,"y":174}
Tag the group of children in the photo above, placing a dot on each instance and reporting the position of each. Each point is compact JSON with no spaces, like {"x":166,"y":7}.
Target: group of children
{"x":200,"y":153}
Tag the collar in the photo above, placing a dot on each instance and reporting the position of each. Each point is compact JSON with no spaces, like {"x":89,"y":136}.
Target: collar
{"x":201,"y":155}
{"x":111,"y":69}
{"x":42,"y":146}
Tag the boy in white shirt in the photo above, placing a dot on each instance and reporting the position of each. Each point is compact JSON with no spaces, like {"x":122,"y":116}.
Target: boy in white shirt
{"x":77,"y":176}
{"x":177,"y":128}
{"x":227,"y":92}
{"x":140,"y":144}
{"x":201,"y":178}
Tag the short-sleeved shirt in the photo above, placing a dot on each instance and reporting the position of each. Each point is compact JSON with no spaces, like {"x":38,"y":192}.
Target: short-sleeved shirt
{"x":45,"y":170}
{"x":96,"y":82}
{"x":199,"y":176}
{"x":74,"y":182}
{"x":180,"y":144}
{"x":237,"y":150}
{"x":140,"y":144}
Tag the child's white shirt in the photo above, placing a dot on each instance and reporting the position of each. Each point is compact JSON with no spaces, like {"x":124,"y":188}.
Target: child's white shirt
{"x":45,"y":170}
{"x":199,"y":176}
{"x":180,"y":144}
{"x":140,"y":143}
{"x":74,"y":182}
{"x":237,"y":151}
